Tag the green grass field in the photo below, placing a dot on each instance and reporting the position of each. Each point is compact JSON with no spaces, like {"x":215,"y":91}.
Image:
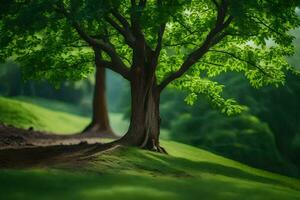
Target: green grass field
{"x":130,"y":173}
{"x":23,"y":114}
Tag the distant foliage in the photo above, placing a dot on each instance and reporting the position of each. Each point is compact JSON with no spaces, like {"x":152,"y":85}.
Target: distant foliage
{"x":266,"y":135}
{"x":13,"y":83}
{"x":244,"y":138}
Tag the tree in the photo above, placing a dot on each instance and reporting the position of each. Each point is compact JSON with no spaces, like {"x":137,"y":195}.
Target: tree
{"x":43,"y":56}
{"x":100,"y":121}
{"x":156,"y":43}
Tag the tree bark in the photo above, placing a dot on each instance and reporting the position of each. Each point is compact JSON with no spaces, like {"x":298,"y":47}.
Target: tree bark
{"x":99,"y":125}
{"x":145,"y":120}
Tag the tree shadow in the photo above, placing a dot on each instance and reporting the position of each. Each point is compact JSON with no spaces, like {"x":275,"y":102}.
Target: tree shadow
{"x":181,"y":167}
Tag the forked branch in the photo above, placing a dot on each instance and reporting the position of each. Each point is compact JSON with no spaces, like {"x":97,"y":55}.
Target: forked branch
{"x":101,"y":44}
{"x":211,"y":40}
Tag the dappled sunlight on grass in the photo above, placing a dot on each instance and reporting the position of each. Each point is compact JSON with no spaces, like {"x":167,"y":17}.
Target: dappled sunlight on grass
{"x":59,"y":184}
{"x":128,"y":192}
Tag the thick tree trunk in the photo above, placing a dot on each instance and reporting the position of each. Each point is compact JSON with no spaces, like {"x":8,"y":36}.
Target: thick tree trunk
{"x":100,"y":125}
{"x":144,"y":126}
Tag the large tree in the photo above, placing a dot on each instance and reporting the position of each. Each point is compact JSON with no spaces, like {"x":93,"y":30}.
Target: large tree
{"x":155,"y":43}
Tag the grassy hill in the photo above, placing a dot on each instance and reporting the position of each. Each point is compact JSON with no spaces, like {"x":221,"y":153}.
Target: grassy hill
{"x":130,"y":173}
{"x":21,"y":113}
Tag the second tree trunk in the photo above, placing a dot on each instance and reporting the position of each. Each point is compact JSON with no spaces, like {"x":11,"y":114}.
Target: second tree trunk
{"x":100,"y":121}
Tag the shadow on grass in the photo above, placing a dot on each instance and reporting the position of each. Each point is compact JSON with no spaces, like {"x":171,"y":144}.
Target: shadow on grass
{"x":129,"y":174}
{"x":159,"y":165}
{"x":59,"y":184}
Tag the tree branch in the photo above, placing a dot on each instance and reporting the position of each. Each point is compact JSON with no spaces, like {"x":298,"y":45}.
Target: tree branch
{"x":184,"y":25}
{"x":91,"y":41}
{"x":211,"y":63}
{"x":121,"y":19}
{"x":59,"y":7}
{"x":158,"y":47}
{"x":193,"y":57}
{"x":259,"y":21}
{"x":124,"y":32}
{"x":107,"y":47}
{"x":221,"y":36}
{"x":160,"y":38}
{"x":110,"y":65}
{"x":179,"y":44}
{"x":141,"y":50}
{"x":242,"y":60}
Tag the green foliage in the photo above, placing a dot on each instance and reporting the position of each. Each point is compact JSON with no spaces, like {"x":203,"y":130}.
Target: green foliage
{"x":243,"y":138}
{"x":212,"y":90}
{"x":244,"y":52}
{"x":43,"y":43}
{"x":10,"y":79}
{"x":78,"y":93}
{"x":41,"y":36}
{"x":273,"y":142}
{"x":276,"y":106}
{"x":13,"y":84}
{"x":279,"y":108}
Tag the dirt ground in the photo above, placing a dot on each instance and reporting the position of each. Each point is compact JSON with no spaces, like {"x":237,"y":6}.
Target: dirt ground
{"x":28,"y":148}
{"x":11,"y":137}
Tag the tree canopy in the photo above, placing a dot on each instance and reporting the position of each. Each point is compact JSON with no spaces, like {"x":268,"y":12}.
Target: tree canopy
{"x":187,"y":41}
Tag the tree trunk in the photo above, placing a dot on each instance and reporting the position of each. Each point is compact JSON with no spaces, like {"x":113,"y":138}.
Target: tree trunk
{"x":100,"y":125}
{"x":144,"y":126}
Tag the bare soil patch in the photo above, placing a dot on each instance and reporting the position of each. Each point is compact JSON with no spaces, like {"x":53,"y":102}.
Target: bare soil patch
{"x":27,"y":148}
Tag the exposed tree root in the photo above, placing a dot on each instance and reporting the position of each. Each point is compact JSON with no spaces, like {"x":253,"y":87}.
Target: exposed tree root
{"x":11,"y":137}
{"x":96,"y":130}
{"x":160,"y":149}
{"x":49,"y":155}
{"x":18,"y":152}
{"x":147,"y":143}
{"x":156,"y":147}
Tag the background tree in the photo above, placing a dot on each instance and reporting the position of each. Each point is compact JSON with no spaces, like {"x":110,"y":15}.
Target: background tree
{"x":100,"y":121}
{"x":156,"y":43}
{"x":55,"y":54}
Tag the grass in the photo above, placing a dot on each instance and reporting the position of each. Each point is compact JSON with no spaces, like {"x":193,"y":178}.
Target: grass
{"x":22,"y":114}
{"x":187,"y":173}
{"x":129,"y":173}
{"x":52,"y":104}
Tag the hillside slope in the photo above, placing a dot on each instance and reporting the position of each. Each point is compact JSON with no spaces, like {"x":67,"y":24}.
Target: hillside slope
{"x":22,"y":114}
{"x":187,"y":173}
{"x":129,"y":173}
